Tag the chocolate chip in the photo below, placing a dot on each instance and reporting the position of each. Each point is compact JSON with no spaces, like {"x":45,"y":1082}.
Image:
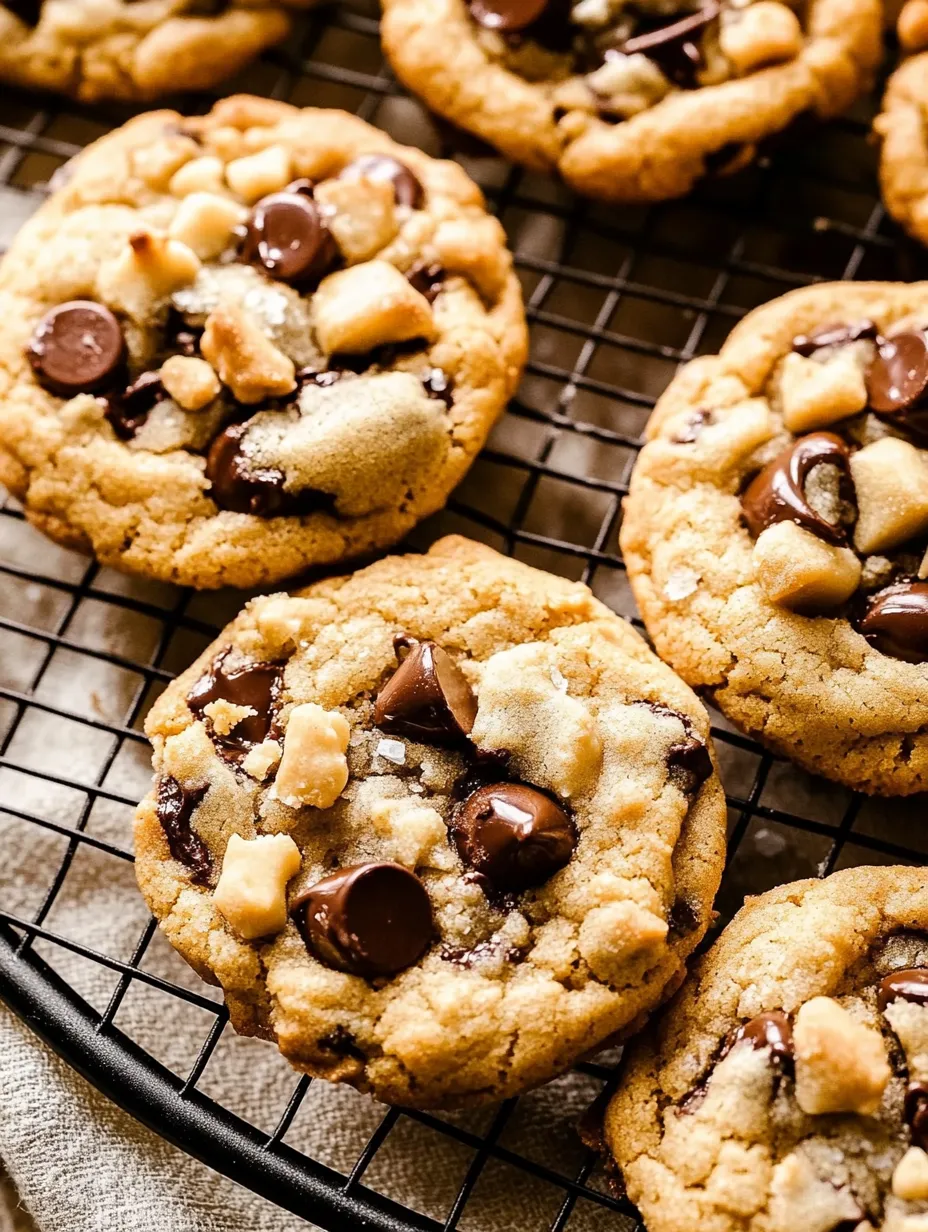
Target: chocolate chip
{"x":242,"y":486}
{"x":179,"y":337}
{"x":693,"y":427}
{"x":128,"y":411}
{"x":427,"y":278}
{"x":910,"y":984}
{"x":691,"y":756}
{"x":834,"y":336}
{"x":484,"y":951}
{"x":916,"y":1112}
{"x":897,"y":381}
{"x":77,"y":348}
{"x":673,"y":45}
{"x":372,"y":919}
{"x":175,"y":809}
{"x":382,"y":168}
{"x":777,"y":494}
{"x":427,"y":697}
{"x":28,"y":11}
{"x":439,"y":385}
{"x":773,"y":1030}
{"x":684,"y":916}
{"x":506,"y":15}
{"x":287,"y":237}
{"x":253,"y":684}
{"x":514,"y":835}
{"x":895,"y":621}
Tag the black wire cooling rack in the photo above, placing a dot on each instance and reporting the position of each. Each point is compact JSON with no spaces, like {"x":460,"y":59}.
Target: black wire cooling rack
{"x":616,"y":299}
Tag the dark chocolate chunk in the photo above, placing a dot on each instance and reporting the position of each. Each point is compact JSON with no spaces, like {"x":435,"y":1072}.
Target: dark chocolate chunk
{"x":128,"y":411}
{"x":427,"y":279}
{"x":179,"y":337}
{"x":773,"y":1030}
{"x":897,"y":381}
{"x":439,"y":385}
{"x":673,"y":44}
{"x":506,"y":15}
{"x":372,"y":919}
{"x":514,"y":835}
{"x":175,"y":810}
{"x":28,"y":11}
{"x":288,"y":238}
{"x":777,"y":494}
{"x":684,"y":916}
{"x":910,"y":984}
{"x":382,"y":168}
{"x":691,"y":756}
{"x":483,"y":951}
{"x":241,"y":486}
{"x":427,"y":697}
{"x":895,"y":621}
{"x":253,"y":684}
{"x":77,"y":348}
{"x":834,"y":336}
{"x":916,"y":1112}
{"x":342,"y":1043}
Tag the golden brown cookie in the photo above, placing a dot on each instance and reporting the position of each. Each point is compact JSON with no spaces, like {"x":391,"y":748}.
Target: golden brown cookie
{"x":777,"y":525}
{"x":632,"y":101}
{"x":438,"y":828}
{"x":246,"y":343}
{"x":786,"y":1087}
{"x":903,"y":126}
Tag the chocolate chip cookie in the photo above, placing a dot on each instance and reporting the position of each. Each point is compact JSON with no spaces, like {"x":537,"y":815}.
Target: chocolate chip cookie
{"x":903,"y":126}
{"x":242,"y":344}
{"x":786,"y":1087}
{"x":438,"y":828}
{"x":777,"y":528}
{"x":632,"y":100}
{"x":127,"y":49}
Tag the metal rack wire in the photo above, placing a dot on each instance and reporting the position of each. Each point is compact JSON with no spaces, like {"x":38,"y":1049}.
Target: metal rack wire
{"x":616,"y":299}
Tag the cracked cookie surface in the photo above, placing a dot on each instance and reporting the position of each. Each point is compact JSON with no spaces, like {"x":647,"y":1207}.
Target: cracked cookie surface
{"x":903,"y":126}
{"x":785,"y":1086}
{"x":438,"y":828}
{"x":777,"y":526}
{"x":632,"y":101}
{"x":246,"y":343}
{"x":134,"y":49}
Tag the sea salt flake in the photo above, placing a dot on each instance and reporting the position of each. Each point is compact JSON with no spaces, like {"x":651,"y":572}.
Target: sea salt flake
{"x":680,"y":584}
{"x":392,"y":750}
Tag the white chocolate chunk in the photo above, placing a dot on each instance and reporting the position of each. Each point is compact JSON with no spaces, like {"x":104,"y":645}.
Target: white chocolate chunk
{"x":225,"y":715}
{"x":313,"y":769}
{"x":199,"y":175}
{"x":205,"y":222}
{"x":799,"y":1198}
{"x":361,"y":214}
{"x":891,"y":482}
{"x":910,"y":1178}
{"x":909,"y":1020}
{"x":190,"y":381}
{"x":796,"y":569}
{"x":245,"y":358}
{"x":814,"y":395}
{"x":476,"y":248}
{"x":412,"y":831}
{"x":365,"y":306}
{"x":612,"y":935}
{"x":764,"y":33}
{"x":252,"y":889}
{"x":150,"y":268}
{"x":255,"y":175}
{"x":841,"y":1064}
{"x":261,"y":760}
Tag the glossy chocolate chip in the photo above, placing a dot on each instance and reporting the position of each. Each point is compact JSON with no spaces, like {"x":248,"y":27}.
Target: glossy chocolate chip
{"x":777,"y":494}
{"x":241,"y":486}
{"x":773,"y":1030}
{"x":381,"y":167}
{"x":127,"y":411}
{"x":895,"y":621}
{"x":427,"y":278}
{"x":897,"y":381}
{"x":254,"y":684}
{"x":916,"y":1112}
{"x":673,"y":44}
{"x":834,"y":336}
{"x":372,"y":919}
{"x":287,"y":237}
{"x":77,"y":348}
{"x":427,"y":697}
{"x":513,"y":835}
{"x":692,"y":757}
{"x":175,"y":809}
{"x":506,"y":15}
{"x":910,"y":984}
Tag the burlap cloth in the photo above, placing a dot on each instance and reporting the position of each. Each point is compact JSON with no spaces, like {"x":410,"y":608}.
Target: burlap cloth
{"x":78,"y":1162}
